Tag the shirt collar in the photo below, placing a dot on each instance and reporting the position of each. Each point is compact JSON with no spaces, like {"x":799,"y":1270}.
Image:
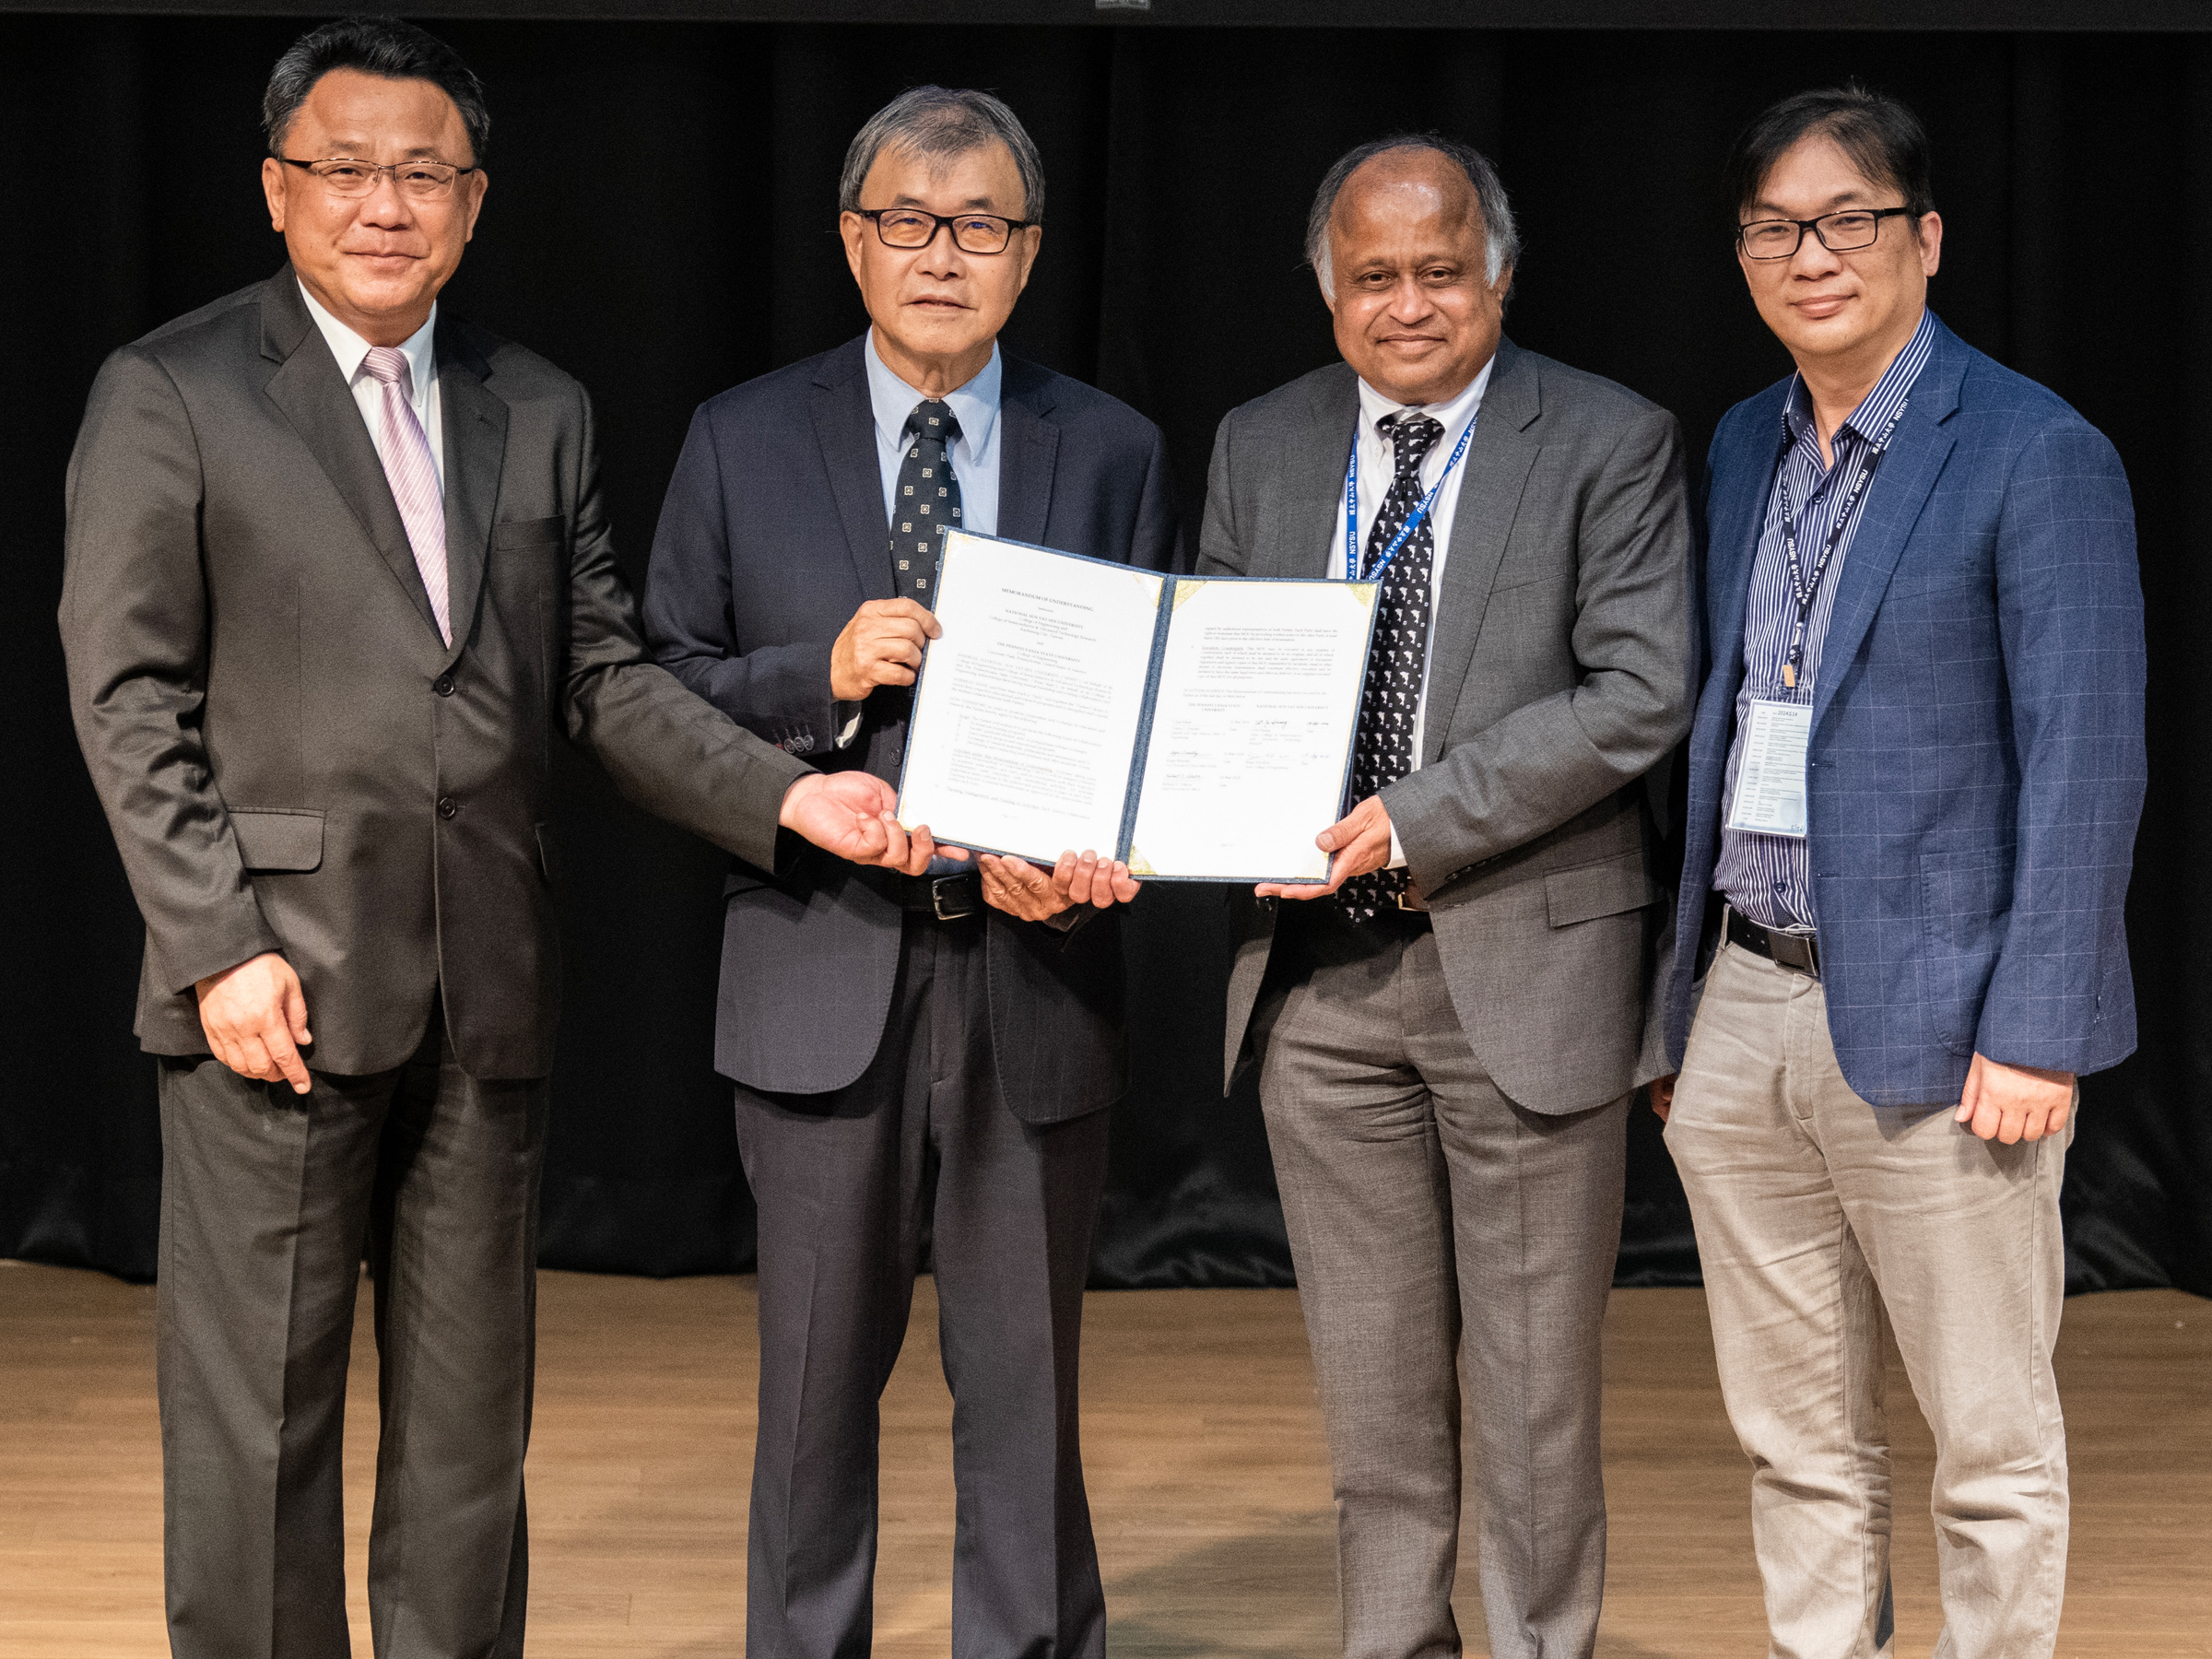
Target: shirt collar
{"x":351,"y":349}
{"x":1871,"y":417}
{"x":974,"y":406}
{"x":1374,"y":406}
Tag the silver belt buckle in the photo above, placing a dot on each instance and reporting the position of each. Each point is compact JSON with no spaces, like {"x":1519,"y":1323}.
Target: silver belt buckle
{"x":941,"y":892}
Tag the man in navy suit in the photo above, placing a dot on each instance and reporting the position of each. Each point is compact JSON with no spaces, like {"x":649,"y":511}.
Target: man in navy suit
{"x":936,"y":1051}
{"x":1915,"y":773}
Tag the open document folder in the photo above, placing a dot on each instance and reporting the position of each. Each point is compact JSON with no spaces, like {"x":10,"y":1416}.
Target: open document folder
{"x":1198,"y":728}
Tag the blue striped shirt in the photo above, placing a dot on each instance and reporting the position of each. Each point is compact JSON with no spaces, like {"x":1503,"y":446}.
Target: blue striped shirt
{"x":1769,"y":877}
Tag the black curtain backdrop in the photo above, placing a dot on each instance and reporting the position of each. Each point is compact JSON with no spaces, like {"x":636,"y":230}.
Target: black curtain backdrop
{"x":661,"y":223}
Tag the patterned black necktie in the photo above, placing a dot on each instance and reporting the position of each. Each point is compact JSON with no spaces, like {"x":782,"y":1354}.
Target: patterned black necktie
{"x":1383,"y":747}
{"x":928,"y":496}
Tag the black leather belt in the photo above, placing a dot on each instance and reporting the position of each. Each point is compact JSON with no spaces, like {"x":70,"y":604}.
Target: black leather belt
{"x":947,"y":898}
{"x":1798,"y":951}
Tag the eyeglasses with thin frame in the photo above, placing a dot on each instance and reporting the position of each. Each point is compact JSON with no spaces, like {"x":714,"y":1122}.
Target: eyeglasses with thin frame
{"x":419,"y":180}
{"x":1842,"y":232}
{"x":911,"y":228}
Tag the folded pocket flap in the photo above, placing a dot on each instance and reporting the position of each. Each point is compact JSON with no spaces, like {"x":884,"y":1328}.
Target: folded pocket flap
{"x":527,"y":533}
{"x":1966,"y":858}
{"x":1605,"y":888}
{"x":278,"y":837}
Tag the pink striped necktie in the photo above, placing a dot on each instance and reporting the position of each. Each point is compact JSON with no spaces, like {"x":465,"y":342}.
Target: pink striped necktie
{"x":413,"y":477}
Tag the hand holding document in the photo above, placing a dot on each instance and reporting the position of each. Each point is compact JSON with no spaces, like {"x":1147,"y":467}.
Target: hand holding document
{"x":1357,"y":842}
{"x":1195,"y":729}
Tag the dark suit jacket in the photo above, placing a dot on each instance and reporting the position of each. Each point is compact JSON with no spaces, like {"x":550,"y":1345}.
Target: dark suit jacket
{"x":1558,"y":674}
{"x":1977,"y":763}
{"x":291,"y":758}
{"x":772,"y":536}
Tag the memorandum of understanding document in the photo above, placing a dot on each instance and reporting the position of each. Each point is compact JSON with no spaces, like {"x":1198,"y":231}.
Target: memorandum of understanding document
{"x":1200,"y":729}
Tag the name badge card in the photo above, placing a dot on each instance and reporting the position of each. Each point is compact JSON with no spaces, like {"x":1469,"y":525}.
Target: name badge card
{"x":1770,"y":788}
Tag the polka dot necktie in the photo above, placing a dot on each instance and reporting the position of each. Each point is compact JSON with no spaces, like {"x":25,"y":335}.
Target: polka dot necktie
{"x":1391,"y":701}
{"x":929,"y":497}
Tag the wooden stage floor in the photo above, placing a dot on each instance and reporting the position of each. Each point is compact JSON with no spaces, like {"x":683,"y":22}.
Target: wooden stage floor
{"x":1207,"y":1478}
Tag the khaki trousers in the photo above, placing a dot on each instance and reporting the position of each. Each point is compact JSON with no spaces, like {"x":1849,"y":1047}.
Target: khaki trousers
{"x":1819,"y":1217}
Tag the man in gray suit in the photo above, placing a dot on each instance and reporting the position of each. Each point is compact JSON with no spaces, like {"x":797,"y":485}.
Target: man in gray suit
{"x":1449,"y":1031}
{"x":337,"y":572}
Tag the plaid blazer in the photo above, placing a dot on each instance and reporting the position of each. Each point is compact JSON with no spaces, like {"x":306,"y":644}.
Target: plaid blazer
{"x":1976,"y":768}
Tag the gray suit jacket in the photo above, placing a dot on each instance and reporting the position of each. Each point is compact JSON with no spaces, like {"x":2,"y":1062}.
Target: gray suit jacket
{"x":1558,"y":676}
{"x":291,"y":757}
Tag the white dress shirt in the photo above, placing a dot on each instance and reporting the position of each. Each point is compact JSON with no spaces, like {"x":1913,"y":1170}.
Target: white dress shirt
{"x":421,"y":385}
{"x":1378,"y":467}
{"x":974,"y":453}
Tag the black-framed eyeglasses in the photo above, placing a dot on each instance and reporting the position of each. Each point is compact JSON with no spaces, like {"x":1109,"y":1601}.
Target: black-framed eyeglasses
{"x":971,"y":233}
{"x":419,"y":181}
{"x":1842,"y":232}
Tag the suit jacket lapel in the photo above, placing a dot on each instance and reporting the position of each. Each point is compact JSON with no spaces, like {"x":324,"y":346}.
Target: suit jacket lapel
{"x":1735,"y":516}
{"x":1310,"y":487}
{"x":1028,"y":449}
{"x":307,"y":387}
{"x":475,"y":449}
{"x":844,"y":425}
{"x":1892,"y":506}
{"x":1497,"y":466}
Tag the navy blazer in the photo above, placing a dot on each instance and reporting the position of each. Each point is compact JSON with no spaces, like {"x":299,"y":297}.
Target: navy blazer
{"x":1976,"y":768}
{"x":772,"y":536}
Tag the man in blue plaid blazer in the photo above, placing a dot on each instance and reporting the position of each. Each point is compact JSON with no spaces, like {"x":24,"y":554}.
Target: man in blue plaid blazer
{"x":1915,"y":774}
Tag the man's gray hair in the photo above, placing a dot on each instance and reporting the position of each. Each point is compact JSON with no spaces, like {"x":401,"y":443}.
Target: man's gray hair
{"x":1502,"y":240}
{"x":937,"y":124}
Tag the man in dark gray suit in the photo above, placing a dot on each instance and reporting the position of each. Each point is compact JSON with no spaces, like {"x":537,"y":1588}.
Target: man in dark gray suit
{"x":337,"y":573}
{"x":935,"y":1051}
{"x":1450,"y":1029}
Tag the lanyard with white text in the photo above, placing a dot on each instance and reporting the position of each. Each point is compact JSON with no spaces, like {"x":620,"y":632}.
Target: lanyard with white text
{"x":1807,"y":592}
{"x":1413,"y":523}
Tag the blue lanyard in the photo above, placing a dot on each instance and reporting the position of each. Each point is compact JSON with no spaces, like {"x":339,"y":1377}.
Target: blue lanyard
{"x":1413,"y":523}
{"x":1804,"y":590}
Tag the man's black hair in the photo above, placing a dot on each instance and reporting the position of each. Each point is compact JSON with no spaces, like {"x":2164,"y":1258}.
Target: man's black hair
{"x":1883,"y":138}
{"x":383,"y":46}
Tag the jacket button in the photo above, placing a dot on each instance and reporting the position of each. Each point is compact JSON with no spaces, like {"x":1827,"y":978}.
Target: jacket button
{"x":447,"y":807}
{"x":443,"y":685}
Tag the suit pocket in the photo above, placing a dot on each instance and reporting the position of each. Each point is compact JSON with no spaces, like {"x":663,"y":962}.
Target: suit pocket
{"x":278,"y":837}
{"x":1965,"y":904}
{"x":1605,"y":888}
{"x":529,"y":533}
{"x":548,"y":853}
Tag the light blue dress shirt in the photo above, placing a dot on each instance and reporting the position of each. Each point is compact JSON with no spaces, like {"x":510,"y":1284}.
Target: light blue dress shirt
{"x":974,"y":464}
{"x":974,"y":452}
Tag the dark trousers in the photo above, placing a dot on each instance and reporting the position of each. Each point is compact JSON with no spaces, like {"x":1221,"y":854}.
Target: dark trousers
{"x":843,"y":1181}
{"x":267,"y":1199}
